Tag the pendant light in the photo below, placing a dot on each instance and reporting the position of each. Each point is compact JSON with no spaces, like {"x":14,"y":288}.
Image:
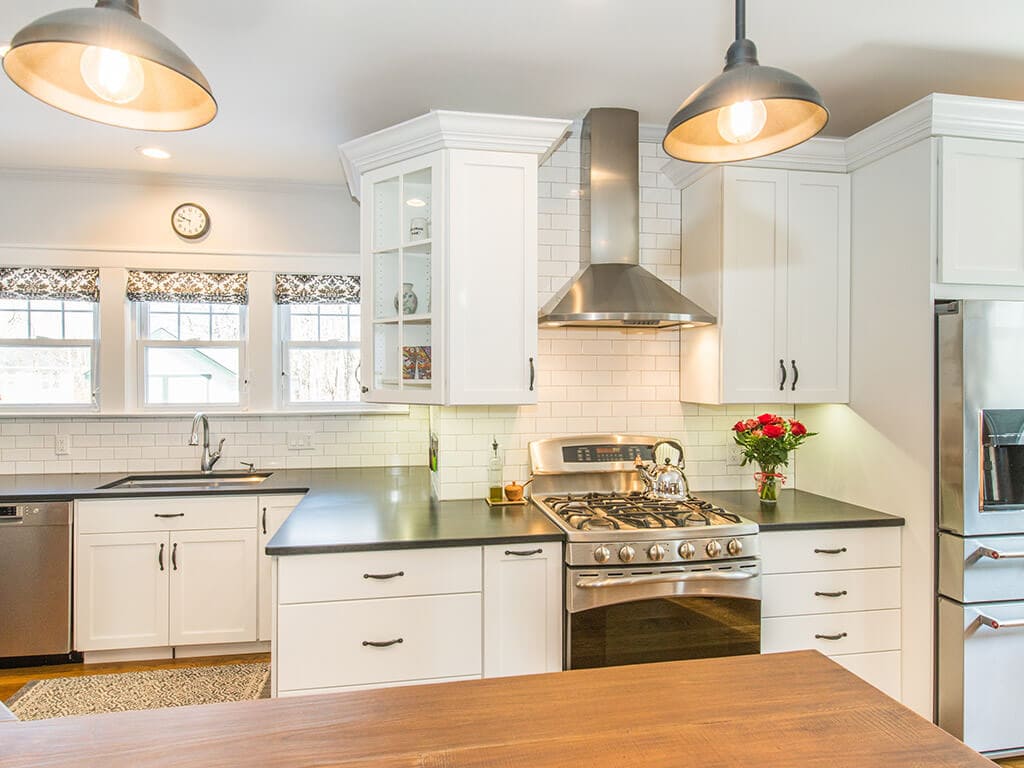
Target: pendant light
{"x":747,"y":111}
{"x":106,"y":64}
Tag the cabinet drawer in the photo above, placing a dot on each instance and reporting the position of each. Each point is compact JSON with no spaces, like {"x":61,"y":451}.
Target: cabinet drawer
{"x":829,"y":550}
{"x":371,"y":686}
{"x":349,"y":575}
{"x":182,"y":513}
{"x":796,"y":594}
{"x":881,"y":670}
{"x":325,"y":644}
{"x":833,"y":633}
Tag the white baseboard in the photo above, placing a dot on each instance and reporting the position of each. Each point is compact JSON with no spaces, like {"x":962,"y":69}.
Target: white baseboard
{"x":128,"y":654}
{"x":222,"y":649}
{"x":180,"y":652}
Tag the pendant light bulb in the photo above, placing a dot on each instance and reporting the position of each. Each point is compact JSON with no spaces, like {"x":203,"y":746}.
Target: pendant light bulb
{"x":112,"y":75}
{"x":742,"y":122}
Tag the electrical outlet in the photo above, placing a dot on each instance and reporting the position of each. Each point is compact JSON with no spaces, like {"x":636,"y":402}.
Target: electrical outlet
{"x":299,"y":441}
{"x":734,"y":455}
{"x":62,"y":445}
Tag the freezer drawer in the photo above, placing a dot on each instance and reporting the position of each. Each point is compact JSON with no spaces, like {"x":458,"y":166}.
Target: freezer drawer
{"x":981,"y":568}
{"x":981,"y":673}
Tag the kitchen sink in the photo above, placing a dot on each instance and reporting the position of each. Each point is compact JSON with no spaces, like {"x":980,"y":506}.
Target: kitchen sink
{"x":209,"y":481}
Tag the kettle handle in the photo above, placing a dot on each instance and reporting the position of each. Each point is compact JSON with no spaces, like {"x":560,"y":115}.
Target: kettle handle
{"x":680,"y":462}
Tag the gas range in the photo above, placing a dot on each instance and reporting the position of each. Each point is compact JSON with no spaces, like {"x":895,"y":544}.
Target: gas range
{"x":590,"y":487}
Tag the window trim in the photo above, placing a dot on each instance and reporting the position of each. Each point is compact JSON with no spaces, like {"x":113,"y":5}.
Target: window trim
{"x":140,"y":329}
{"x":93,"y":406}
{"x":284,"y":401}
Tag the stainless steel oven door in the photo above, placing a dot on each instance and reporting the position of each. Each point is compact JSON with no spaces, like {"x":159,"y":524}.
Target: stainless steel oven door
{"x":620,"y":616}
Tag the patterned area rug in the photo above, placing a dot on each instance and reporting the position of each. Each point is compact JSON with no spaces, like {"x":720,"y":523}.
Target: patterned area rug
{"x":154,"y":689}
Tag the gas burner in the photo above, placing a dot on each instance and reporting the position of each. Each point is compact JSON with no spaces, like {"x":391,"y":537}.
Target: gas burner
{"x":634,"y":510}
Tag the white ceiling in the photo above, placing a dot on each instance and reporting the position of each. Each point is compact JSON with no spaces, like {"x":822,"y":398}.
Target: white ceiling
{"x":294,"y":78}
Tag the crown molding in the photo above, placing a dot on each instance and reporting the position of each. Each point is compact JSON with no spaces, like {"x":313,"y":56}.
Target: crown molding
{"x":445,"y":129}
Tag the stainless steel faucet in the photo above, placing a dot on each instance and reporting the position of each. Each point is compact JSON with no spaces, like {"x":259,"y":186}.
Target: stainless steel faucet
{"x":209,"y":459}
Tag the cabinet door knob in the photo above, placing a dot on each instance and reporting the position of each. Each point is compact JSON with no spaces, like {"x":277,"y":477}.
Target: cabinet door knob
{"x":782,"y":367}
{"x":365,"y":389}
{"x":174,"y":556}
{"x":160,"y":556}
{"x":796,"y":375}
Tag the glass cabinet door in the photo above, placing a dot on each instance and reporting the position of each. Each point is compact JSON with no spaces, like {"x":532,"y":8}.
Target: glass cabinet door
{"x":401,"y":263}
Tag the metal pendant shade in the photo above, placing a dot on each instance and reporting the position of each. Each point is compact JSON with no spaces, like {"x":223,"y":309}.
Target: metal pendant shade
{"x":793,"y":109}
{"x":46,"y":61}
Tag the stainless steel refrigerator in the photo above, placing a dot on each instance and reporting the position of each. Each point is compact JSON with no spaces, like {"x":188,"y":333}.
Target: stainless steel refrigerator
{"x":980,"y":558}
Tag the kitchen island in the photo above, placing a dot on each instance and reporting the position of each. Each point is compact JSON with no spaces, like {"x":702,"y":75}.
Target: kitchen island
{"x":785,"y":710}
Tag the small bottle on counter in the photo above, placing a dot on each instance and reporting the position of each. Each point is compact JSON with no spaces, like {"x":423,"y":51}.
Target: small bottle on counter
{"x":495,"y":474}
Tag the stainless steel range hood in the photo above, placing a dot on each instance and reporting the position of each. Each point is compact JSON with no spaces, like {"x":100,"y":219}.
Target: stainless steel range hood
{"x":611,"y":288}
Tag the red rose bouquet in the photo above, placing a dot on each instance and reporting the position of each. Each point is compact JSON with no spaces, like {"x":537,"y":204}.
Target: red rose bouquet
{"x":767,"y":440}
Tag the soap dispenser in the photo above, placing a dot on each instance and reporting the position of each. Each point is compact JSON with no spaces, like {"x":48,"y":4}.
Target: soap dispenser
{"x":495,"y":475}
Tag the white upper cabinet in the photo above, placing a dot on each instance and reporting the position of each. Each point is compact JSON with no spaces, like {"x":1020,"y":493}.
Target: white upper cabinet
{"x":449,"y":250}
{"x":981,"y":212}
{"x":768,"y":253}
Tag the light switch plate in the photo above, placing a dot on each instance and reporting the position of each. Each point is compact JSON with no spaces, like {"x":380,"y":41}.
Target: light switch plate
{"x":62,"y":445}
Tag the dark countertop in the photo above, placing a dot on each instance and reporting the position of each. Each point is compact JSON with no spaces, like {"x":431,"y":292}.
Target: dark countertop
{"x":344,"y":510}
{"x":799,"y":510}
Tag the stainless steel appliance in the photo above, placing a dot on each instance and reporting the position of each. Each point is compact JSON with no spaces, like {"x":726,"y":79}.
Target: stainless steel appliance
{"x":35,"y":579}
{"x":648,"y":577}
{"x":980,"y":625}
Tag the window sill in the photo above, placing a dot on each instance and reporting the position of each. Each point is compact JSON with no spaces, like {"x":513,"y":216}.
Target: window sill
{"x":369,"y":409}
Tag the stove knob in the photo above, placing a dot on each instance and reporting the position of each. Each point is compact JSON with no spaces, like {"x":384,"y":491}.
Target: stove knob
{"x":686,"y":550}
{"x":602,"y":554}
{"x":735,"y":546}
{"x":656,"y":552}
{"x":627,"y":553}
{"x":714,"y":549}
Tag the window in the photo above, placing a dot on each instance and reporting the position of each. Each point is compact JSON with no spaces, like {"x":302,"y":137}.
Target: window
{"x":191,"y":337}
{"x":320,"y":326}
{"x":48,"y":337}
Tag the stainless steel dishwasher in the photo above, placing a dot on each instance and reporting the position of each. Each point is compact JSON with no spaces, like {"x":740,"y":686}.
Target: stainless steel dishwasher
{"x":35,"y":579}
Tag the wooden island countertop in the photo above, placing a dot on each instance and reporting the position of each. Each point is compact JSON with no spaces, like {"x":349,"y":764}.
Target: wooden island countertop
{"x":785,"y":710}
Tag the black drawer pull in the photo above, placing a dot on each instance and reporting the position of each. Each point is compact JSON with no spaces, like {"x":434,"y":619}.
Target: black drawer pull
{"x":527,"y":553}
{"x":264,"y":521}
{"x":796,"y":375}
{"x":176,"y":514}
{"x":384,"y":644}
{"x":830,"y":594}
{"x":174,"y":555}
{"x":782,"y":367}
{"x":840,"y":636}
{"x":830,"y":551}
{"x":160,"y":557}
{"x":383,"y":575}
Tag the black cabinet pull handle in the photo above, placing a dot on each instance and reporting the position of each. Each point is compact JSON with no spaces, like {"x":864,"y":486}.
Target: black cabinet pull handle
{"x":796,"y":375}
{"x":830,"y":594}
{"x":160,"y":557}
{"x":527,"y":553}
{"x":264,"y":521}
{"x":383,"y":575}
{"x":782,"y":367}
{"x":840,"y":636}
{"x":384,"y":644}
{"x":533,"y":374}
{"x":830,"y":551}
{"x":174,"y":556}
{"x":176,"y":514}
{"x":364,"y":390}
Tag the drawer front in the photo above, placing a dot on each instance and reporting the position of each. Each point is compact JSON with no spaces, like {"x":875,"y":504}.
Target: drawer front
{"x":796,"y":594}
{"x":881,"y":670}
{"x":398,"y":572}
{"x":979,"y":569}
{"x":326,"y":644}
{"x":396,"y":684}
{"x":829,"y":550}
{"x":182,"y":513}
{"x":833,"y":633}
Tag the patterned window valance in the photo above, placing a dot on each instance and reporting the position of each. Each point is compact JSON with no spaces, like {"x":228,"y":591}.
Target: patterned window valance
{"x":316,"y":289}
{"x":49,"y":283}
{"x":192,"y":287}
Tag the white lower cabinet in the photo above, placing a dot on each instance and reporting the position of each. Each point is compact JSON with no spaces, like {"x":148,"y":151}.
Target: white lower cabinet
{"x":273,"y":511}
{"x":836,"y":591}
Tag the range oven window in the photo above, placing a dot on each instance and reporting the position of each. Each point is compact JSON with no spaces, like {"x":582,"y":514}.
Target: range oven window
{"x":1002,"y":453}
{"x":664,"y":629}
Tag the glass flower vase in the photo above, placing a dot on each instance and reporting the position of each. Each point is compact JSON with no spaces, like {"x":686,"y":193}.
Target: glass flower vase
{"x":768,"y":481}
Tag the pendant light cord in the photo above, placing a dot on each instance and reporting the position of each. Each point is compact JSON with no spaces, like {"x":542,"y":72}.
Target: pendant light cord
{"x":741,"y":19}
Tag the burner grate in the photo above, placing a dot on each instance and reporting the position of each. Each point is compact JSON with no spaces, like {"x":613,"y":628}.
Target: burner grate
{"x":634,"y":510}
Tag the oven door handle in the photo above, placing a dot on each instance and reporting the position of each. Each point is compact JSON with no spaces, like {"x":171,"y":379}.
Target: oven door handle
{"x":661,"y":578}
{"x":988,"y":621}
{"x":995,"y":554}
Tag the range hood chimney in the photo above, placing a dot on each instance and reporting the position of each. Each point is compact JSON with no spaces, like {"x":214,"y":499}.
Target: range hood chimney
{"x":611,"y":288}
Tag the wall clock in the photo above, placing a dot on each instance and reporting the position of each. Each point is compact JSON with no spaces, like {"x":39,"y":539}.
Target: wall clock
{"x":190,"y":221}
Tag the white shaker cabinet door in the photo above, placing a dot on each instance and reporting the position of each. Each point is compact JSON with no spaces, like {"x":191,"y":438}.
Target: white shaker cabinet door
{"x":273,"y":511}
{"x":523,"y":612}
{"x":213,"y":587}
{"x":121,"y":590}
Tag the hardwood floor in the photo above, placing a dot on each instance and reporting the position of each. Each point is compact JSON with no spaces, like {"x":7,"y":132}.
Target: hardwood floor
{"x":11,"y":680}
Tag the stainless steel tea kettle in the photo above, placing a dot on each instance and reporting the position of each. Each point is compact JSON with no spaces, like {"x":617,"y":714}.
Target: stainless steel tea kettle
{"x":667,"y":480}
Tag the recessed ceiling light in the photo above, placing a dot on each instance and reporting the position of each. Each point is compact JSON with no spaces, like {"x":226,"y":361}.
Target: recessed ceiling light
{"x":415,"y":202}
{"x":154,"y":153}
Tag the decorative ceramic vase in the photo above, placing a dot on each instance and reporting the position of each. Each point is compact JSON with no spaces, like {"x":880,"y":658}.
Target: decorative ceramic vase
{"x":408,"y":300}
{"x":768,"y":481}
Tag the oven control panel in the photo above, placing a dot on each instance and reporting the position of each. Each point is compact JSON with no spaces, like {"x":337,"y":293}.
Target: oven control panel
{"x":603,"y":454}
{"x":662,"y":552}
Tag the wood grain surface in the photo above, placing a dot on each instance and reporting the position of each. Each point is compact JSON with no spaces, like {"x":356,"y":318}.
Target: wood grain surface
{"x":784,"y":710}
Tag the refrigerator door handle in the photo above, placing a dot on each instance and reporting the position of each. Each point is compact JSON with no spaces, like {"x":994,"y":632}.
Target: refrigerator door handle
{"x":995,"y":554}
{"x":988,"y":621}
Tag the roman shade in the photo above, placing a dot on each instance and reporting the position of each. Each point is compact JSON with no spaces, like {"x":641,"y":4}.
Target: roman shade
{"x":49,"y":283}
{"x":189,"y":287}
{"x":316,"y":289}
